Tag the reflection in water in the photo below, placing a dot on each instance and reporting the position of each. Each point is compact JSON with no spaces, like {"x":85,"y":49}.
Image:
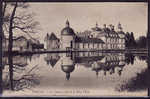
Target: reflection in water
{"x":18,"y":60}
{"x":27,"y":80}
{"x":24,"y":77}
{"x":18,"y":77}
{"x":143,"y":58}
{"x":109,"y":63}
{"x":129,"y":58}
{"x":52,"y":59}
{"x":1,"y":86}
{"x":67,"y":65}
{"x":140,"y":82}
{"x":96,"y":61}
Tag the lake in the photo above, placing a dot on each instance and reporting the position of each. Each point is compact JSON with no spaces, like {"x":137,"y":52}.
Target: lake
{"x":77,"y":74}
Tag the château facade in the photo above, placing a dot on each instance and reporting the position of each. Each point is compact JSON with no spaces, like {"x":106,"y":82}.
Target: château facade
{"x":113,"y":39}
{"x":52,"y":42}
{"x":105,"y":38}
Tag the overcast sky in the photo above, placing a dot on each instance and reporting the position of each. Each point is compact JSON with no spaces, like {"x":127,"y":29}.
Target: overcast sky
{"x":83,"y":16}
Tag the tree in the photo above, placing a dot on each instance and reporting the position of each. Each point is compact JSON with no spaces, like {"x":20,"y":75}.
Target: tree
{"x":141,"y":42}
{"x":17,"y":20}
{"x":1,"y":33}
{"x":127,"y":38}
{"x":130,"y":40}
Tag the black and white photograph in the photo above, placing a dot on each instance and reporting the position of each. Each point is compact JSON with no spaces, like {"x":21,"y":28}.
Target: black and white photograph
{"x":74,"y":49}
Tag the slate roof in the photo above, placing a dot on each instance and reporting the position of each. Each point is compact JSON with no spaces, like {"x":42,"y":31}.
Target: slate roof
{"x":53,"y":62}
{"x":53,"y":37}
{"x":68,"y":68}
{"x":121,"y":32}
{"x":88,"y":59}
{"x":96,"y":29}
{"x":67,"y":31}
{"x":88,"y":40}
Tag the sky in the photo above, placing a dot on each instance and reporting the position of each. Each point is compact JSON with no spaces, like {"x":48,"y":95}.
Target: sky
{"x":83,"y":16}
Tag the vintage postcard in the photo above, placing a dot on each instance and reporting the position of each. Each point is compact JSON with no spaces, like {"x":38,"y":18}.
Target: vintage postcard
{"x":74,"y":49}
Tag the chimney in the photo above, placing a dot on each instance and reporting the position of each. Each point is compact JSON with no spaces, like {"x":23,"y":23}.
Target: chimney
{"x":110,"y":26}
{"x":113,"y":27}
{"x":104,"y":26}
{"x":119,"y":27}
{"x":96,"y":24}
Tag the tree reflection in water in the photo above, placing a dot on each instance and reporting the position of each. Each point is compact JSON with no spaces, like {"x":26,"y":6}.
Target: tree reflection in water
{"x":140,"y":82}
{"x":52,"y":59}
{"x":143,"y":58}
{"x":109,"y":62}
{"x":20,"y":78}
{"x":27,"y":80}
{"x":129,"y":58}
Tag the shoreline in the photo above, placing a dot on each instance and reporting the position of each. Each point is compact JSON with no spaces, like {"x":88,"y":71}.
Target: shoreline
{"x":132,"y":51}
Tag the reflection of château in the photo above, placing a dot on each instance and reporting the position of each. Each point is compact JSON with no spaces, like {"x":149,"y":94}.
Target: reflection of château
{"x":67,"y":65}
{"x":109,"y":63}
{"x":17,"y":60}
{"x":99,"y":38}
{"x":97,"y":62}
{"x":52,"y":59}
{"x":87,"y":58}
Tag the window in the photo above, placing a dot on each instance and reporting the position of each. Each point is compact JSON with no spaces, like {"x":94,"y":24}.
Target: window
{"x":93,"y":45}
{"x":97,"y":45}
{"x":123,"y":41}
{"x":76,"y":45}
{"x":83,"y":45}
{"x":71,"y":44}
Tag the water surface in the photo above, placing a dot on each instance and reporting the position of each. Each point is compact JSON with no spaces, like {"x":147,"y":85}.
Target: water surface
{"x":78,"y":74}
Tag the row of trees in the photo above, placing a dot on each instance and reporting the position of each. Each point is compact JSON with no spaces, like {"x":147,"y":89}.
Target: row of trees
{"x":131,"y":42}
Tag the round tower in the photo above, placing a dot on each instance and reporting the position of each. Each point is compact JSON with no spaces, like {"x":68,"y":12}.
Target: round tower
{"x":67,"y":37}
